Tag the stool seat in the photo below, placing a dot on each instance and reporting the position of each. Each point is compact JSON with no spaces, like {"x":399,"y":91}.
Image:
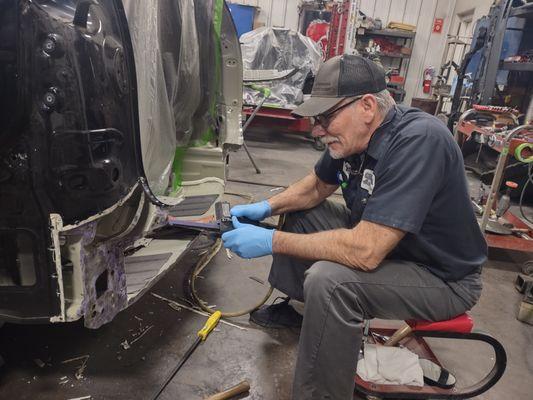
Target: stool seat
{"x":460,"y":324}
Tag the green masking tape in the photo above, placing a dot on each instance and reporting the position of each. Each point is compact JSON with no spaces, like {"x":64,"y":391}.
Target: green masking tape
{"x":263,"y":90}
{"x":520,"y":148}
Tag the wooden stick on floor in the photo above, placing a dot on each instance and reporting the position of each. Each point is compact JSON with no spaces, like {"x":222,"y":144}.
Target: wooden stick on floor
{"x":242,"y":387}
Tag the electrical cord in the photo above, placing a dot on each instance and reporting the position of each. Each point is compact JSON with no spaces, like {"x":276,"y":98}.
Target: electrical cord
{"x":529,"y":180}
{"x":204,"y":261}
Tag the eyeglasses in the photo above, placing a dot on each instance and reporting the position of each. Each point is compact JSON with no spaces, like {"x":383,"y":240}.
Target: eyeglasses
{"x":324,"y":120}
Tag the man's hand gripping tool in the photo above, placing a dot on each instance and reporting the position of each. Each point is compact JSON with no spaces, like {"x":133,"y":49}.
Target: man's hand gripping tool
{"x":220,"y":225}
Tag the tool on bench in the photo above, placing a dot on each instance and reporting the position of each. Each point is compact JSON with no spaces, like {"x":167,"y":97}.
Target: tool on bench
{"x":202,"y":335}
{"x":240,"y":388}
{"x":505,"y":201}
{"x":221,"y":224}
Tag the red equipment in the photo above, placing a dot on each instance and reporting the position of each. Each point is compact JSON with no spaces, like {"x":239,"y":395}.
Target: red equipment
{"x":337,"y":29}
{"x":428,"y":78}
{"x":412,"y":337}
{"x":282,"y":120}
{"x":463,"y":324}
{"x":318,"y":31}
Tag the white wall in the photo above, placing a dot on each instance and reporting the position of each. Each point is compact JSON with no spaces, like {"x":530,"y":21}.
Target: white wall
{"x":468,"y":12}
{"x":276,"y":13}
{"x":479,"y":7}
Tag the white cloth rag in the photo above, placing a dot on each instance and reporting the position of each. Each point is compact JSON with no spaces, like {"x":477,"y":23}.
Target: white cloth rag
{"x":390,"y":366}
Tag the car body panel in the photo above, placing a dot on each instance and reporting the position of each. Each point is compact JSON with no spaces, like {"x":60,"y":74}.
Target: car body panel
{"x":116,"y":117}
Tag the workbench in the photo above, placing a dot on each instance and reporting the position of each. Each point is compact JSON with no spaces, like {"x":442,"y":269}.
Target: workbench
{"x":499,"y":129}
{"x":492,"y":135}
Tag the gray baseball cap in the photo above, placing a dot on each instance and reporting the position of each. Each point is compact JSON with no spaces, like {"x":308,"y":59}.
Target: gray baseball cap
{"x":341,"y":77}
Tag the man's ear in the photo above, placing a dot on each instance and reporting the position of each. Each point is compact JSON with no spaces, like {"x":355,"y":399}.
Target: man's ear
{"x":369,"y":106}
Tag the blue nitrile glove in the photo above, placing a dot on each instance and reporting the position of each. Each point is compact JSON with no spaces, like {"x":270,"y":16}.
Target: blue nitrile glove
{"x":248,"y":241}
{"x":256,"y":211}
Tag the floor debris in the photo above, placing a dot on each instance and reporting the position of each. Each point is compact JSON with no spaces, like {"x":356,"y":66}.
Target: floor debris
{"x":136,"y":335}
{"x":82,"y":398}
{"x":39,"y":362}
{"x":75,"y":359}
{"x":81,"y":369}
{"x":178,"y":306}
{"x":142,"y":333}
{"x":79,"y":373}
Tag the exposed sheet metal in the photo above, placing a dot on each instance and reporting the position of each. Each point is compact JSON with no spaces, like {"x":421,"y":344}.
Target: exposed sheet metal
{"x":193,"y":205}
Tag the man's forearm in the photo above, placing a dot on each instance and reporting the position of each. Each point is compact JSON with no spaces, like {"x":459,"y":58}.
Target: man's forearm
{"x":302,"y":195}
{"x":334,"y":245}
{"x":363,"y":247}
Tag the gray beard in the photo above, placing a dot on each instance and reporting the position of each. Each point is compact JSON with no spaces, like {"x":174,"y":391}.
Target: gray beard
{"x":335,"y":155}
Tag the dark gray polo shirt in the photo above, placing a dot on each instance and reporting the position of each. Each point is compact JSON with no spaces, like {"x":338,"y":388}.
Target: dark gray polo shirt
{"x":411,"y":177}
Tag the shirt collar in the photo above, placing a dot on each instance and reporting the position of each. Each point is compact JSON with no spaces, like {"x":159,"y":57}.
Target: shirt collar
{"x":375,"y":146}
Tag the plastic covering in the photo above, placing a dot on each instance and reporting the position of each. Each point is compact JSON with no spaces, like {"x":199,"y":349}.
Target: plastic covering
{"x":173,"y":50}
{"x":280,"y":49}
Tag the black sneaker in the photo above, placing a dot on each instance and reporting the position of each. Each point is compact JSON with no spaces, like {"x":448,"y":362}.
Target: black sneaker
{"x":279,"y":315}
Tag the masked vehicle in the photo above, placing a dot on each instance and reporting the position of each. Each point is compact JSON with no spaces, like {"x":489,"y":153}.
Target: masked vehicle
{"x":114,"y":114}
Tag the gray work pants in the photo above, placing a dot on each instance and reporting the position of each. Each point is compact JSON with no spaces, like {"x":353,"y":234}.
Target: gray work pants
{"x":337,"y":299}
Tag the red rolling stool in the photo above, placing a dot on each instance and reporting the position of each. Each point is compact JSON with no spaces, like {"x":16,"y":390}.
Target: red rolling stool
{"x":411,"y":336}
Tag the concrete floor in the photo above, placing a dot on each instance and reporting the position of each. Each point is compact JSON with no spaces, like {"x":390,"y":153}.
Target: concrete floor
{"x":264,"y":357}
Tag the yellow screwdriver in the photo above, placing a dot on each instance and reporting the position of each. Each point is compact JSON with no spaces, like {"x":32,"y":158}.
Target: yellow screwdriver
{"x":203,"y":333}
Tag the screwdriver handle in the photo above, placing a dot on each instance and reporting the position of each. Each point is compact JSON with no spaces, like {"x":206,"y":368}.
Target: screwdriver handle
{"x":210,"y":324}
{"x":242,"y":387}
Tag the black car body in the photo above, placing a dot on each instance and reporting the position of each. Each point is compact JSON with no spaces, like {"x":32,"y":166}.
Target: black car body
{"x":113,"y":114}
